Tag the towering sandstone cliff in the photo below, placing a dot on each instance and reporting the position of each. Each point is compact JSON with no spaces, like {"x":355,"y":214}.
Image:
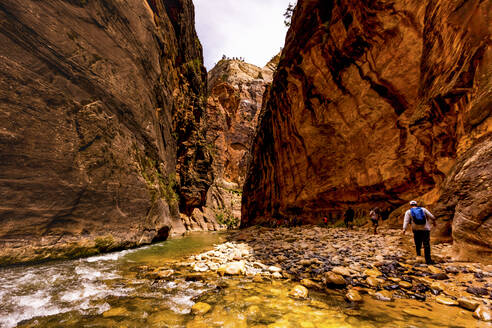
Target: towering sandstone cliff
{"x":101,"y":133}
{"x":236,"y":91}
{"x":375,"y":103}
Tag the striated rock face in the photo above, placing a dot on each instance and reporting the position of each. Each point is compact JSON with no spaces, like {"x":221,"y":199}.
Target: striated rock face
{"x":375,"y":103}
{"x":235,"y":97}
{"x":101,"y":139}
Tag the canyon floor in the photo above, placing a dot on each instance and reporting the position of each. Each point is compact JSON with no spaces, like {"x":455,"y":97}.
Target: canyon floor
{"x":357,"y":264}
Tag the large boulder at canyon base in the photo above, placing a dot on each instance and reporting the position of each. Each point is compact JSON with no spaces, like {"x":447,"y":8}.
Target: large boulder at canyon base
{"x":373,"y":104}
{"x":101,"y":105}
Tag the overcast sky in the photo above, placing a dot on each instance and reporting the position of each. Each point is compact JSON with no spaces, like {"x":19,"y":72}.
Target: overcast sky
{"x":253,"y":29}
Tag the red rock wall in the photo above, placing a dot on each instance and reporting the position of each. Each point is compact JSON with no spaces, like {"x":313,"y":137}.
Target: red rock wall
{"x":101,"y":138}
{"x":376,"y":103}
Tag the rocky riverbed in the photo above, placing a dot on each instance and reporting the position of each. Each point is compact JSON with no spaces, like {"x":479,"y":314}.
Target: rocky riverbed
{"x":355,"y":263}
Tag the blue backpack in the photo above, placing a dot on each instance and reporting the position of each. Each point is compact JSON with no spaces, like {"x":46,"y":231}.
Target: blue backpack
{"x":418,"y":215}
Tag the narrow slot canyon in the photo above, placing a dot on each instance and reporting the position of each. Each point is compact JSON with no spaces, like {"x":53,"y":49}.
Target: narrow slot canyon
{"x":179,"y":163}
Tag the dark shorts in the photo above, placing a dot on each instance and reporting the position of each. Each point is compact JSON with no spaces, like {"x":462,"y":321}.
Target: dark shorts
{"x":375,"y":222}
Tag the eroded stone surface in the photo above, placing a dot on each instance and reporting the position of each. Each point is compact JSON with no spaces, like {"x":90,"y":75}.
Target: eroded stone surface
{"x":376,"y":103}
{"x":101,"y":105}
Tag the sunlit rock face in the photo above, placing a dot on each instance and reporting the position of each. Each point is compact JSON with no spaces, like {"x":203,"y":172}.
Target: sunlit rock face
{"x":101,"y":139}
{"x":373,"y":104}
{"x":236,"y":91}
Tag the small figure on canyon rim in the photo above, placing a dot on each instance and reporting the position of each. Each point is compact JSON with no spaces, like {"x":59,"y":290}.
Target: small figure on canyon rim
{"x":349,"y":217}
{"x":325,"y":221}
{"x":419,"y":217}
{"x":375,"y":215}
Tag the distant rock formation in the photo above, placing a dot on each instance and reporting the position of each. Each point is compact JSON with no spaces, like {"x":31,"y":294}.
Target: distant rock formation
{"x":373,"y":104}
{"x":236,"y":89}
{"x":101,"y":131}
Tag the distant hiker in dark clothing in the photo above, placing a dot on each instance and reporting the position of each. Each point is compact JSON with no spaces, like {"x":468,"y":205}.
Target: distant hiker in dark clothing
{"x":375,"y":216}
{"x":419,"y":217}
{"x":349,"y":216}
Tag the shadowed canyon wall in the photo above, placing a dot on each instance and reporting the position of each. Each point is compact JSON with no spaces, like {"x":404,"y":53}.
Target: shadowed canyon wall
{"x":375,"y":103}
{"x":101,"y":132}
{"x":236,"y":91}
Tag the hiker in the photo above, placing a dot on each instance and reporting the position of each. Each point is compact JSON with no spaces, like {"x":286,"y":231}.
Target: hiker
{"x":325,"y":221}
{"x":349,"y":216}
{"x":375,"y":215}
{"x":419,"y":216}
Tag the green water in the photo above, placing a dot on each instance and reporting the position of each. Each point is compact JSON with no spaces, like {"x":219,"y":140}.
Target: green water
{"x":120,"y":290}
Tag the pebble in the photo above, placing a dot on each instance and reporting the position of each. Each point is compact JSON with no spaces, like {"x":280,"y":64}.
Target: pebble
{"x":341,"y":271}
{"x":115,"y":312}
{"x":372,"y":273}
{"x":353,"y":296}
{"x":373,"y":282}
{"x":299,"y":291}
{"x":468,"y":304}
{"x":483,"y":313}
{"x":311,"y":284}
{"x":405,"y":284}
{"x":446,"y":300}
{"x":200,"y":308}
{"x":274,"y":269}
{"x":332,"y":278}
{"x":384,"y":295}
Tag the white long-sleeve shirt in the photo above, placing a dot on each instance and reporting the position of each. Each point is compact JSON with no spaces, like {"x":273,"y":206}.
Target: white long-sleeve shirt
{"x":426,"y":226}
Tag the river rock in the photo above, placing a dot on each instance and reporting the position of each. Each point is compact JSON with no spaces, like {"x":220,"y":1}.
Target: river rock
{"x":440,"y":276}
{"x":405,"y":284}
{"x":166,"y":273}
{"x":115,"y":312}
{"x":299,"y":291}
{"x":311,"y":284}
{"x":274,"y":269}
{"x":200,"y":308}
{"x":384,"y":295}
{"x":233,"y":268}
{"x":353,"y":296}
{"x":200,"y":267}
{"x":432,"y":269}
{"x":277,"y":275}
{"x":468,"y":304}
{"x":341,"y":271}
{"x":332,"y":278}
{"x":483,"y":313}
{"x":372,"y":273}
{"x":446,"y":300}
{"x":373,"y":281}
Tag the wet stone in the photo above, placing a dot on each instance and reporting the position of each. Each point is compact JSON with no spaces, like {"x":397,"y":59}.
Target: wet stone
{"x":468,"y":304}
{"x":331,"y":278}
{"x":384,"y":295}
{"x":115,"y":312}
{"x":200,"y":308}
{"x":483,"y":313}
{"x":477,"y":291}
{"x":353,"y":296}
{"x":440,"y":276}
{"x":299,"y":291}
{"x":446,"y":300}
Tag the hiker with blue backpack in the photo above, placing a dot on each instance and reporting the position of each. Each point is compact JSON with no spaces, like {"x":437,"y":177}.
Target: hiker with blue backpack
{"x":419,"y":217}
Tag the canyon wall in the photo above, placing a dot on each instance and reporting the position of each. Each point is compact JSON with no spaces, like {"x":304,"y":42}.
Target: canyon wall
{"x":101,"y":130}
{"x":236,"y":91}
{"x":375,"y":103}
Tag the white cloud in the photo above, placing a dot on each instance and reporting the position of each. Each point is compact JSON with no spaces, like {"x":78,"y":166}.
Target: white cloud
{"x":253,"y":29}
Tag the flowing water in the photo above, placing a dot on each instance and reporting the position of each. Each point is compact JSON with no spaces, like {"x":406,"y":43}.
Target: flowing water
{"x":112,"y":291}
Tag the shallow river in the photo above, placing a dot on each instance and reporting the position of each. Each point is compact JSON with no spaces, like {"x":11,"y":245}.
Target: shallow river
{"x":111,"y":291}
